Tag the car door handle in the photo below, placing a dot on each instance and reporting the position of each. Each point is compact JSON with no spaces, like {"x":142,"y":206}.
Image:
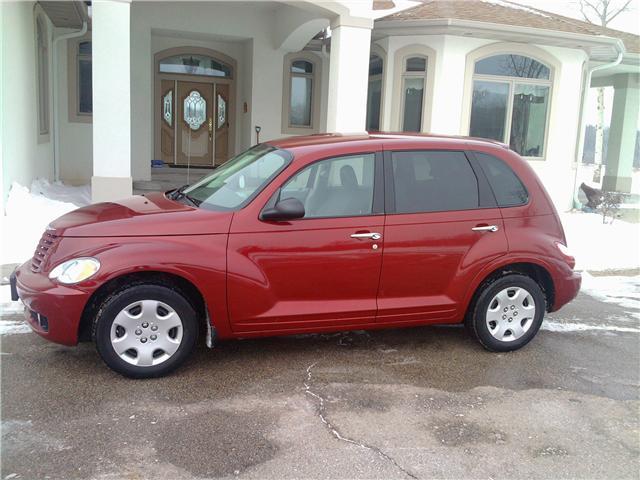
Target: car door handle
{"x":371,"y":236}
{"x":485,"y":228}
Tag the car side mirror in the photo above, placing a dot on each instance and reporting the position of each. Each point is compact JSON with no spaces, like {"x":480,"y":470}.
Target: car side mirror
{"x":287,"y":209}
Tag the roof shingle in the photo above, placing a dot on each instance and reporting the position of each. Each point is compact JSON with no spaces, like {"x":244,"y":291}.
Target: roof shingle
{"x":509,"y":13}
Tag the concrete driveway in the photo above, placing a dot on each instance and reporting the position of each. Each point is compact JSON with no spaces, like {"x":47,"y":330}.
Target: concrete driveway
{"x":414,"y":403}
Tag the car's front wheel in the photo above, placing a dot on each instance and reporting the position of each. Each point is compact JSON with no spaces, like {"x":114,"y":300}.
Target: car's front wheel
{"x":507,"y":313}
{"x":145,"y":330}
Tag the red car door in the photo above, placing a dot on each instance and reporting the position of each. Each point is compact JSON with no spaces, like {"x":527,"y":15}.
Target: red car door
{"x":442,"y":226}
{"x":320,"y":271}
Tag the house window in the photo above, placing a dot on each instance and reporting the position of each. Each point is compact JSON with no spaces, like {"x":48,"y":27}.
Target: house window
{"x":510,"y":102}
{"x":85,"y":94}
{"x":374,"y":93}
{"x":413,"y":82}
{"x":79,"y":75}
{"x":194,"y":64}
{"x":42,"y":45}
{"x":301,"y":96}
{"x":301,"y":93}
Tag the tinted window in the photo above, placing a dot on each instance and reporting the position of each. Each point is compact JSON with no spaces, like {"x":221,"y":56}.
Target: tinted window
{"x":505,"y":184}
{"x":338,"y":187}
{"x":433,"y":182}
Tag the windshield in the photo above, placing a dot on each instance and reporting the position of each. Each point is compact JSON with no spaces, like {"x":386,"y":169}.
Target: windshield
{"x":235,"y":183}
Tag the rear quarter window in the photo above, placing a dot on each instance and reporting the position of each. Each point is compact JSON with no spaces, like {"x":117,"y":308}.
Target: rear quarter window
{"x":507,"y":187}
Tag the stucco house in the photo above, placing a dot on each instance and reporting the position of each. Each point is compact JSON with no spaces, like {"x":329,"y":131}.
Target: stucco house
{"x":94,"y":93}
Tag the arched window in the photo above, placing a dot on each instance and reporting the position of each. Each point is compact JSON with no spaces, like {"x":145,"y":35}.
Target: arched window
{"x":374,"y":93}
{"x":42,"y":46}
{"x":301,"y":100}
{"x":301,"y":89}
{"x":413,"y":83}
{"x":194,"y":64}
{"x":510,"y":102}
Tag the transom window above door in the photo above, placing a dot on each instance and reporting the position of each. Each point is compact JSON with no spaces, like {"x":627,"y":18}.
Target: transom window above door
{"x":194,"y":64}
{"x":510,"y":102}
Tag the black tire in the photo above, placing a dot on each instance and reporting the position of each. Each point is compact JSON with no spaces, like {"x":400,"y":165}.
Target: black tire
{"x":117,"y":302}
{"x":476,"y":320}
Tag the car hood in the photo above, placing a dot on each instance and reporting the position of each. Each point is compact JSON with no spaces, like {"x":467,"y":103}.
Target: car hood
{"x":149,"y":215}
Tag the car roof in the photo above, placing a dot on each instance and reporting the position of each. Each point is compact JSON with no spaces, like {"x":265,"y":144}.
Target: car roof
{"x":391,"y":138}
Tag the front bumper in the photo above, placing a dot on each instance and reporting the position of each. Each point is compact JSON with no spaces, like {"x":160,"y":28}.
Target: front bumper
{"x":53,"y":311}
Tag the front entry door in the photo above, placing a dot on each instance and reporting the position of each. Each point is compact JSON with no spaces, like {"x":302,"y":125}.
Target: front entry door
{"x":194,"y":124}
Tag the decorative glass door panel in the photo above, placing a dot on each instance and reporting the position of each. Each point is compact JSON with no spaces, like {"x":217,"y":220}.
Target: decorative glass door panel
{"x":222,"y":123}
{"x":194,"y":124}
{"x":167,"y":124}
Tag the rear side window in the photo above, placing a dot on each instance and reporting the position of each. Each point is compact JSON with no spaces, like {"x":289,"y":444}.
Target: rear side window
{"x":433,"y":181}
{"x":507,"y":187}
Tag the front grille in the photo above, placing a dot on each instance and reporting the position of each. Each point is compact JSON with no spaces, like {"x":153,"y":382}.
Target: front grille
{"x":46,"y":245}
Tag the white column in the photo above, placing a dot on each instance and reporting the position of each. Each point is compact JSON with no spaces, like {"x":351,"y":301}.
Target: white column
{"x":111,"y":101}
{"x":348,"y":75}
{"x":622,"y":133}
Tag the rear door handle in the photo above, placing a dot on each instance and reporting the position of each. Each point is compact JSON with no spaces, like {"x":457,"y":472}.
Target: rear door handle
{"x":371,"y":236}
{"x":485,"y":228}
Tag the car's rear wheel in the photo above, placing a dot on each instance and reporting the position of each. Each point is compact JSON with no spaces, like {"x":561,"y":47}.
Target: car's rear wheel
{"x":145,"y":330}
{"x":507,"y":312}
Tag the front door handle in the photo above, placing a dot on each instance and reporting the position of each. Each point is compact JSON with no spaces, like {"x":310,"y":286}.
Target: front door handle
{"x":485,"y":228}
{"x":371,"y":236}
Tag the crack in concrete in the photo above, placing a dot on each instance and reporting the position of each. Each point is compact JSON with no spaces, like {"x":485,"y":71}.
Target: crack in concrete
{"x":336,"y":433}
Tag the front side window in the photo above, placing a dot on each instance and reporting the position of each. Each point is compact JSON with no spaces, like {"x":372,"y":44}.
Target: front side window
{"x":337,"y":187}
{"x":507,"y":187}
{"x":510,"y":102}
{"x":433,"y":181}
{"x":42,"y":45}
{"x":301,"y":94}
{"x":237,"y":181}
{"x":374,"y":93}
{"x":413,"y":85}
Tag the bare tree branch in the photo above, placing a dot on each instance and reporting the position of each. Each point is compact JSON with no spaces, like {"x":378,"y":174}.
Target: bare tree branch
{"x":604,"y":10}
{"x":616,"y":13}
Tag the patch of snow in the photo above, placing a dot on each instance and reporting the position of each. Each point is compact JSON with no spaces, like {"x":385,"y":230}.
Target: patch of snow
{"x":622,"y":291}
{"x":10,"y":314}
{"x":12,"y":327}
{"x":27,"y":214}
{"x":599,"y":246}
{"x":517,"y":6}
{"x":562,"y":327}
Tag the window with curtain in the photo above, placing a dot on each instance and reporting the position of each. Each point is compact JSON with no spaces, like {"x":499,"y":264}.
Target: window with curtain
{"x":510,"y":102}
{"x":374,"y":93}
{"x":301,"y":93}
{"x":413,"y":86}
{"x":42,"y":45}
{"x":85,"y":92}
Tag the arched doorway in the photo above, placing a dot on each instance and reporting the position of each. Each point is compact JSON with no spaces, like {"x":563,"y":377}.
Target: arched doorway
{"x":194,"y":115}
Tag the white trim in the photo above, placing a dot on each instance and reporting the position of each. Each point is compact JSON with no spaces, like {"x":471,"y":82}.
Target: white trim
{"x":43,"y":77}
{"x":380,"y":52}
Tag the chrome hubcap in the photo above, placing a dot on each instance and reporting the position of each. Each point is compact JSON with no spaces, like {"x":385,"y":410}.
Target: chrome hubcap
{"x":510,"y":314}
{"x":146,"y":333}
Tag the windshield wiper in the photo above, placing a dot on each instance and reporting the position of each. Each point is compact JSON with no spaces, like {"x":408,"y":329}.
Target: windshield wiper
{"x":179,"y":194}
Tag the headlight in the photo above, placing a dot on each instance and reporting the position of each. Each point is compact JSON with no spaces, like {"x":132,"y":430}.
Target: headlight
{"x":75,"y":270}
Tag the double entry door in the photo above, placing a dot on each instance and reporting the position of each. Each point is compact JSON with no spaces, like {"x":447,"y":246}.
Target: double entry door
{"x":195,"y":123}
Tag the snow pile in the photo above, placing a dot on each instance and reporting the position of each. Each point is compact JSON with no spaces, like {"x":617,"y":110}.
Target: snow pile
{"x":599,"y":246}
{"x":622,"y":291}
{"x":27,"y":214}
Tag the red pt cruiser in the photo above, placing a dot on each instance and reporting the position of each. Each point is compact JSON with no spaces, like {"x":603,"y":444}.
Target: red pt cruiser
{"x":307,"y":234}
